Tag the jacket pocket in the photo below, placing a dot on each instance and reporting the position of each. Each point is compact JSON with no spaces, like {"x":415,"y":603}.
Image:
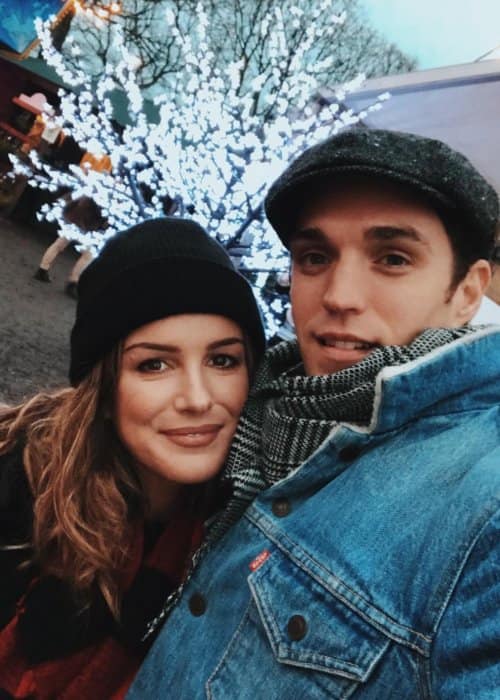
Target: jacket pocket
{"x":297,"y":639}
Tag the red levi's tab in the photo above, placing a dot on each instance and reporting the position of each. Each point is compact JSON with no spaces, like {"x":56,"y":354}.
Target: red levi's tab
{"x":259,"y":559}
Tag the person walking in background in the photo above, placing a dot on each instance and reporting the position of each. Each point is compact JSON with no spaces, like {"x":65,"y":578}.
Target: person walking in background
{"x":87,"y":215}
{"x":105,"y":486}
{"x":367,"y":562}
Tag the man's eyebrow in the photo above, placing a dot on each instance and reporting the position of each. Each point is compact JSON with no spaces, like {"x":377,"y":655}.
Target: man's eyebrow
{"x":376,"y":233}
{"x":306,"y":235}
{"x":161,"y":347}
{"x":390,"y":233}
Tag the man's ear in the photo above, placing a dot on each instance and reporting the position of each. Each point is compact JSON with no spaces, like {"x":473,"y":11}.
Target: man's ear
{"x":470,"y":291}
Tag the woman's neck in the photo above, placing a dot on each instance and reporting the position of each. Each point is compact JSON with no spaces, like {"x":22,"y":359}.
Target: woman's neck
{"x":161,"y":495}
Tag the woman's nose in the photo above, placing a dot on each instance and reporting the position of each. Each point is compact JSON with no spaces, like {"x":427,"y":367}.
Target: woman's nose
{"x":194,"y":393}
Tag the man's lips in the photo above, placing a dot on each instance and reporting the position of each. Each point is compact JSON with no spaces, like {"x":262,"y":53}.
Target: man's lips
{"x":345,"y":342}
{"x":193,"y":435}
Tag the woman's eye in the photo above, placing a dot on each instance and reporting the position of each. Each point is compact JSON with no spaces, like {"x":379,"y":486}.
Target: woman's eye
{"x":152,"y":365}
{"x":225,"y":361}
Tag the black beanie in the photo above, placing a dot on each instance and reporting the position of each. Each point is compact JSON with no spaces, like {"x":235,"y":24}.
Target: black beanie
{"x":158,"y":268}
{"x":442,"y":175}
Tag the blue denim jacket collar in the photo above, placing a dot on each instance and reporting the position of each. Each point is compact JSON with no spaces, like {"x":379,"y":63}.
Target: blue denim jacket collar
{"x":429,"y":384}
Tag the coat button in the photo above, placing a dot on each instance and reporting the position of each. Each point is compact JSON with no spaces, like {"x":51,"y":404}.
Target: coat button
{"x":296,"y":628}
{"x":281,"y":507}
{"x":348,"y":454}
{"x":197,"y":604}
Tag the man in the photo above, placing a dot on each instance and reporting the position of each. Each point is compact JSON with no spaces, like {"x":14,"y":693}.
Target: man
{"x":368,"y":566}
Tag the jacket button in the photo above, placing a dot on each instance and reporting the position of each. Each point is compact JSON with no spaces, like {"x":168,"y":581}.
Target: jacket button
{"x":281,"y":507}
{"x":197,"y":604}
{"x":348,"y":454}
{"x":296,"y":628}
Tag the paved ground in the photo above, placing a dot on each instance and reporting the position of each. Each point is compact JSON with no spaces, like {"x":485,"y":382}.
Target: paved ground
{"x":35,"y":318}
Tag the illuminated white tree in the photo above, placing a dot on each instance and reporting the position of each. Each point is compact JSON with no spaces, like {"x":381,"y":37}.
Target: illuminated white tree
{"x":215,"y":145}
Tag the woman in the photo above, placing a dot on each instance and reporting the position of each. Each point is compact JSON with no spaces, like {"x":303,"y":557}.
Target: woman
{"x":104,"y":487}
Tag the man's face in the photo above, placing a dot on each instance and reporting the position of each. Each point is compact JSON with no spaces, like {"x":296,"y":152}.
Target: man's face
{"x":371,"y":265}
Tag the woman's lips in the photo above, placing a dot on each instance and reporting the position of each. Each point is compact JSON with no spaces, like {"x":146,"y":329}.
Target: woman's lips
{"x":193,"y":436}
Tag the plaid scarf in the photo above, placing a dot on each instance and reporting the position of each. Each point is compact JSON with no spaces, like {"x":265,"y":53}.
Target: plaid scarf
{"x":289,"y":415}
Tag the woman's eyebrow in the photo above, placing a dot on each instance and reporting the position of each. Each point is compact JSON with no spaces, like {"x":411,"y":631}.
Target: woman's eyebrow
{"x":225,"y":341}
{"x":153,"y":346}
{"x":161,"y":347}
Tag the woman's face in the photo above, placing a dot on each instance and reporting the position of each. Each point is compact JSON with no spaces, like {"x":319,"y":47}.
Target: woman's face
{"x":182,"y":383}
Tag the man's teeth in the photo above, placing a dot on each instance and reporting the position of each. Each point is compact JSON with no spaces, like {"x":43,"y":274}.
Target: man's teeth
{"x":346,"y":344}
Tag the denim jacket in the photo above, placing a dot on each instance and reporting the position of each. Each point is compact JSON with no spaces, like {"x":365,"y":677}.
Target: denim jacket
{"x":372,"y":571}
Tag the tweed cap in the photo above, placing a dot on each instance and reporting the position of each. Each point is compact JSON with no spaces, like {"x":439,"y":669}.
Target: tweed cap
{"x":161,"y":267}
{"x":445,"y":177}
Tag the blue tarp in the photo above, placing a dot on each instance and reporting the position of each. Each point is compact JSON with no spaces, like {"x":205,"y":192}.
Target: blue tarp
{"x":17,"y":20}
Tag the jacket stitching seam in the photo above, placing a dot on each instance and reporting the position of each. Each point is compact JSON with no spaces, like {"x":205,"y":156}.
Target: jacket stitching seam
{"x":229,"y":646}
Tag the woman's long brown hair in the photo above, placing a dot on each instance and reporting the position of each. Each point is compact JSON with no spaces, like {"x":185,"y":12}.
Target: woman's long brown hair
{"x":83,"y":484}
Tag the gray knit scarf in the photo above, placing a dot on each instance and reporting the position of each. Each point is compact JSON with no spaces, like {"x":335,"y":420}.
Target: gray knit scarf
{"x":288,"y":416}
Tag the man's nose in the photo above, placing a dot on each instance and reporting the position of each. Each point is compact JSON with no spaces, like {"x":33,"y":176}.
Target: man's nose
{"x":346,"y":288}
{"x":194,"y":393}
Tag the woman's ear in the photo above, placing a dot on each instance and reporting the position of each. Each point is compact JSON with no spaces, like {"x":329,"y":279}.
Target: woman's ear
{"x":470,"y":291}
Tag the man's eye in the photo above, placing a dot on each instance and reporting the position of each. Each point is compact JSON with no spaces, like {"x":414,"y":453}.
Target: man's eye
{"x":313,"y":258}
{"x":394,"y":260}
{"x":152,"y":365}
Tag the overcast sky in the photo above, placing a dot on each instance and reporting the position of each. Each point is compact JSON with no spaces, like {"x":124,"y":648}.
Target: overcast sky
{"x":438,"y":32}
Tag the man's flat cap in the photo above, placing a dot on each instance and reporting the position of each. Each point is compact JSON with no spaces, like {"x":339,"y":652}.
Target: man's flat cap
{"x":443,"y":176}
